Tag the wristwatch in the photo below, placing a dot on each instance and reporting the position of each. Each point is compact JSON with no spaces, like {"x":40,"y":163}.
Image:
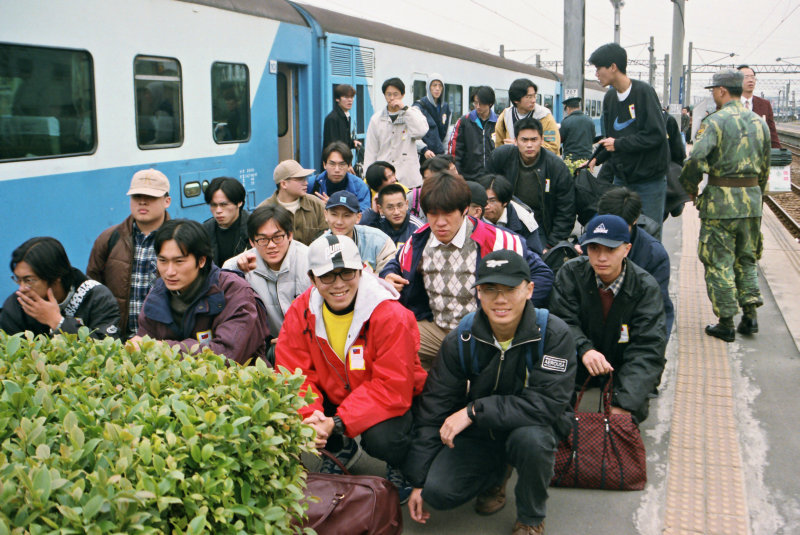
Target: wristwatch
{"x":60,"y":323}
{"x":338,"y":425}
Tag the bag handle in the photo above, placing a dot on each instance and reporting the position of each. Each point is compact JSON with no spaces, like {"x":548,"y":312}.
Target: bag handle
{"x":605,"y":399}
{"x":335,"y":459}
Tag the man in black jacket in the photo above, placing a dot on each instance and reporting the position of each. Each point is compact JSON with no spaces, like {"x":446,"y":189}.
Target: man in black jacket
{"x":227,"y":228}
{"x":473,"y":136}
{"x":577,"y":132}
{"x":540,"y":179}
{"x":616,"y":314}
{"x":337,"y":126}
{"x":497,"y":395}
{"x":635,"y":142}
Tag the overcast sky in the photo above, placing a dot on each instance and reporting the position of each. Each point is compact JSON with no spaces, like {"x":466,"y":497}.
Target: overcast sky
{"x":764,"y":31}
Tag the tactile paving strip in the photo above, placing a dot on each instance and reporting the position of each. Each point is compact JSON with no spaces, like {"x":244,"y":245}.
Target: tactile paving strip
{"x":705,"y":483}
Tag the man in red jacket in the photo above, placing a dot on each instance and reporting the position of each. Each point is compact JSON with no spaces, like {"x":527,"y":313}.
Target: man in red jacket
{"x":759,"y":106}
{"x":357,"y":346}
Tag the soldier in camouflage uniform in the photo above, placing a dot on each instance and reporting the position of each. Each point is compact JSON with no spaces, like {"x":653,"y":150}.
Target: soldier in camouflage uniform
{"x":733,"y":147}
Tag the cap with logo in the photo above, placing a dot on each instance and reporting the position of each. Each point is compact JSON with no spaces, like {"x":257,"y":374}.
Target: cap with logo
{"x":290,"y":169}
{"x":330,"y":252}
{"x":503,"y":267}
{"x":344,"y":198}
{"x":609,"y":230}
{"x":150,"y":182}
{"x":727,"y":78}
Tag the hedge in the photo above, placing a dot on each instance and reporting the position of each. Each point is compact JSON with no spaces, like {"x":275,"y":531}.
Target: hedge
{"x":96,"y":437}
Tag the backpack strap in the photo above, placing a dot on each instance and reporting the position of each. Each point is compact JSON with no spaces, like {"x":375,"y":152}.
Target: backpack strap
{"x":112,"y":240}
{"x":465,"y":338}
{"x":541,"y":320}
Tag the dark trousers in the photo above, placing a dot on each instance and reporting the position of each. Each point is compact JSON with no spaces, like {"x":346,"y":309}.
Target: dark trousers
{"x":459,"y":474}
{"x":388,"y":440}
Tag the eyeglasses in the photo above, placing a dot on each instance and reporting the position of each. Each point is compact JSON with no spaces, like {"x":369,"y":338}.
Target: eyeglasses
{"x":215,"y":205}
{"x":25,"y":281}
{"x":493,"y":292}
{"x":345,"y":275}
{"x":493,"y":200}
{"x":263,"y":241}
{"x":340,"y":165}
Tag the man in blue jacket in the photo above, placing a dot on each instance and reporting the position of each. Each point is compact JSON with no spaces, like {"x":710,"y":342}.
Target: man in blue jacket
{"x":473,"y":136}
{"x":435,"y":270}
{"x":337,"y":159}
{"x":437,"y":112}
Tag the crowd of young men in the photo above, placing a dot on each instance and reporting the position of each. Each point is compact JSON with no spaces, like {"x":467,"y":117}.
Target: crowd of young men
{"x":417,"y":303}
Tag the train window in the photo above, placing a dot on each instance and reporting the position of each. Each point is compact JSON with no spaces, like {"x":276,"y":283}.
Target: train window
{"x":283,"y":103}
{"x":230,"y":102}
{"x":500,"y":100}
{"x":548,"y":102}
{"x":47,"y":105}
{"x":420,"y":89}
{"x":454,"y":95}
{"x":471,"y":97}
{"x":362,"y":91}
{"x":159,"y":114}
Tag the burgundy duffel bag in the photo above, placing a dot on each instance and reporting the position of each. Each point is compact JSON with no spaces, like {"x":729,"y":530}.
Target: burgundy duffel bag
{"x":351,"y":505}
{"x":603,"y":451}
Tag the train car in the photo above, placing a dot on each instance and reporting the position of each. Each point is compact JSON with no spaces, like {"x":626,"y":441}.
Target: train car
{"x":93,"y":90}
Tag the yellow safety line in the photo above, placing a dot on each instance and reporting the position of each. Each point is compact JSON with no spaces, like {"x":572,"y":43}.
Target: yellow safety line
{"x":705,"y":482}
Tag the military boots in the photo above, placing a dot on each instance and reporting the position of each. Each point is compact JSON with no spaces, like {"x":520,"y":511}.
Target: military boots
{"x":722,"y":330}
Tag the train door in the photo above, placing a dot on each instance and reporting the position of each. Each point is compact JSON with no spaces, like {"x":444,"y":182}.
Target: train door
{"x":288,"y":112}
{"x":354,"y":65}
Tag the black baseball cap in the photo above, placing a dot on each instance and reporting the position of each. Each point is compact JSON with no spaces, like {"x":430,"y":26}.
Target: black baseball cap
{"x":609,"y":230}
{"x":344,"y":198}
{"x":503,"y":267}
{"x":477,"y":194}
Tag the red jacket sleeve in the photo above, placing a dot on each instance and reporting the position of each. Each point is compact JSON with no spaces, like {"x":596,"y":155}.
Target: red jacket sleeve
{"x":393,"y":344}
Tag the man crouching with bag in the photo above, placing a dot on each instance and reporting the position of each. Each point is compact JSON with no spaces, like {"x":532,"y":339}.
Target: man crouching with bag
{"x":357,"y":346}
{"x":497,"y":395}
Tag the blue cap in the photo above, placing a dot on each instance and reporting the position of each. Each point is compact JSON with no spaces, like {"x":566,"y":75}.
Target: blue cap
{"x":609,"y":230}
{"x":344,"y":198}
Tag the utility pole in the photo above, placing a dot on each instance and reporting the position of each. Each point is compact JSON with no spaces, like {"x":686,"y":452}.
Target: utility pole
{"x":665,"y":98}
{"x":618,"y":4}
{"x":574,"y":45}
{"x":652,"y":76}
{"x":502,"y":51}
{"x":687,"y":99}
{"x":678,"y":13}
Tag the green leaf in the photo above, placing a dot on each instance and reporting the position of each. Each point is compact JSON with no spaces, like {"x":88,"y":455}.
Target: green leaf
{"x":239,"y":421}
{"x":11,"y":387}
{"x":92,"y":506}
{"x":208,"y":449}
{"x":41,"y":483}
{"x":196,"y":525}
{"x":12,"y":346}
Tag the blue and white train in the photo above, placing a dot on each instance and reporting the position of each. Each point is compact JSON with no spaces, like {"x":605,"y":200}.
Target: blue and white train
{"x":93,"y":90}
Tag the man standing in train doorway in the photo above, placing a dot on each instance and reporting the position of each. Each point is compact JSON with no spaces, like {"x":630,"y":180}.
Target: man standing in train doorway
{"x":733,"y":147}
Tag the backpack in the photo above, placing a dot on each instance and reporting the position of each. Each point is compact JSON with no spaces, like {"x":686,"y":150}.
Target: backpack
{"x":588,"y":190}
{"x":465,"y":338}
{"x":559,"y":254}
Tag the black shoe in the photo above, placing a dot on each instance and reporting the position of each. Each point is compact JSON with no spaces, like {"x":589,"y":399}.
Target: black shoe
{"x":748,"y":325}
{"x":722,"y":332}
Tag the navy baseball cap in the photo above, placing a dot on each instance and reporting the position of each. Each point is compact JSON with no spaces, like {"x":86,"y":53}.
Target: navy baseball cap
{"x":609,"y":230}
{"x":344,"y":198}
{"x":503,"y":267}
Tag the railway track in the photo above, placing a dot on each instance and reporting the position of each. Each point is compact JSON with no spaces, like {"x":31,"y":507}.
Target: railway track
{"x":790,"y":139}
{"x":786,"y":206}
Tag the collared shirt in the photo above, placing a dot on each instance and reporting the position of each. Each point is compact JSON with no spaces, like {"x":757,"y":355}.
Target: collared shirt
{"x":747,"y":102}
{"x":143,"y":274}
{"x":616,"y":285}
{"x":457,"y":241}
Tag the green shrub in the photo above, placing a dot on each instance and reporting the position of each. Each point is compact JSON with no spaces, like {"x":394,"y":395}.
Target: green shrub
{"x":97,"y":438}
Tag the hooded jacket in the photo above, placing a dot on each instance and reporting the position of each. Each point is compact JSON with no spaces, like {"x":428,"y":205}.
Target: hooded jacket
{"x":395,"y":142}
{"x":225,"y":315}
{"x":550,"y":135}
{"x":88,"y":303}
{"x":437,"y":113}
{"x":472,"y":144}
{"x":503,"y":395}
{"x":354,"y":185}
{"x":520,"y":219}
{"x":383,"y":335}
{"x":633,"y":338}
{"x":556,"y":188}
{"x":488,"y":238}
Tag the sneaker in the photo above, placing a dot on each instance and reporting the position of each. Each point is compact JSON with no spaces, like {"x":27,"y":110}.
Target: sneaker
{"x":396,"y":477}
{"x":524,"y":529}
{"x":348,"y":455}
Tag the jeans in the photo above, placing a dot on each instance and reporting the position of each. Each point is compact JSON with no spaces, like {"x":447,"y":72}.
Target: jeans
{"x":654,"y":197}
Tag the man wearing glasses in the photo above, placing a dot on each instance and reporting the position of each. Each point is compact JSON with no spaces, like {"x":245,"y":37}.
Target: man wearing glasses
{"x":276,"y":267}
{"x":308,"y":219}
{"x":496,"y":396}
{"x":759,"y":106}
{"x":337,"y":159}
{"x":357,"y":347}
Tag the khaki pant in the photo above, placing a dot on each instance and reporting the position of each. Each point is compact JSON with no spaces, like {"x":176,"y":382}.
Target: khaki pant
{"x":430,"y":340}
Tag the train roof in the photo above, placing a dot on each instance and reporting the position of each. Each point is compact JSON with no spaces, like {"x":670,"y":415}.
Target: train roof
{"x":271,"y":9}
{"x":340,"y":23}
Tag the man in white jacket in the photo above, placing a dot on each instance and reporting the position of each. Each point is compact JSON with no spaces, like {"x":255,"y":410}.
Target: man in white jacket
{"x":392,"y":134}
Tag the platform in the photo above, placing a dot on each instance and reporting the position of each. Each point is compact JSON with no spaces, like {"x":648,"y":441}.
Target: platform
{"x":721,"y":438}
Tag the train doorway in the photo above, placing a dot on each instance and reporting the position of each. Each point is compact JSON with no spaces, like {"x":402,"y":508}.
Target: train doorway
{"x":288,"y":92}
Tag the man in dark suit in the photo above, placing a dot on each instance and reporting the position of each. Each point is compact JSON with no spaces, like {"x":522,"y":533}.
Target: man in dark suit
{"x":759,"y":106}
{"x":337,"y":125}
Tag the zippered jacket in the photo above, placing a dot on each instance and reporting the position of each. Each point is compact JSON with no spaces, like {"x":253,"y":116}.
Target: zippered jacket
{"x":472,"y":144}
{"x":381,"y":372}
{"x":503,"y":391}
